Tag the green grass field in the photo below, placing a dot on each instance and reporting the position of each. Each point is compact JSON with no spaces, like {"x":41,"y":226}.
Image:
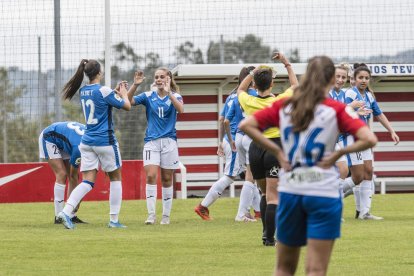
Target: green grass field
{"x":32,"y":244}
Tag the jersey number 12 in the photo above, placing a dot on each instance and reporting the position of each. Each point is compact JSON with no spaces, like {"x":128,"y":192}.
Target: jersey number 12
{"x":90,"y":120}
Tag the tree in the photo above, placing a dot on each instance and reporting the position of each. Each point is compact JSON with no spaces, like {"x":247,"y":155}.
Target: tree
{"x":247,"y":49}
{"x":186,"y":54}
{"x":19,"y":133}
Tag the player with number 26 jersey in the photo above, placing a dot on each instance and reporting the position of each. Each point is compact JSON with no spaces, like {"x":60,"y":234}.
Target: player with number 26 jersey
{"x":305,"y":149}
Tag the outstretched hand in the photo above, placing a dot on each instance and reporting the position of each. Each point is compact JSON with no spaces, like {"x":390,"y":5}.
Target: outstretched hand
{"x":167,"y":85}
{"x":139,"y":77}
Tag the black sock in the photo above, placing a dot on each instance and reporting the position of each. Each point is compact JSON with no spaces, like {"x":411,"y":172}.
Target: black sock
{"x":270,"y":221}
{"x":263,"y":205}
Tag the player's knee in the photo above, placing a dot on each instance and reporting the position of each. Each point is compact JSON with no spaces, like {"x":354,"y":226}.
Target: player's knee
{"x":151,"y":178}
{"x":61,"y":176}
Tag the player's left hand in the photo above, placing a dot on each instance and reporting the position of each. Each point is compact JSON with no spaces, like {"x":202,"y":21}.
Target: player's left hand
{"x":395,"y":138}
{"x":167,"y":85}
{"x":329,"y":160}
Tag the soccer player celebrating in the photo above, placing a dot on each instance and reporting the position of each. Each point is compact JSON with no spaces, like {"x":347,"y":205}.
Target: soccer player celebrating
{"x":361,"y":161}
{"x":59,"y":145}
{"x":99,"y":147}
{"x":160,"y":149}
{"x":310,"y":206}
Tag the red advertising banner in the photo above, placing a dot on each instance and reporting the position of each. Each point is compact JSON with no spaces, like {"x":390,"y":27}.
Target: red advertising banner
{"x":34,"y":182}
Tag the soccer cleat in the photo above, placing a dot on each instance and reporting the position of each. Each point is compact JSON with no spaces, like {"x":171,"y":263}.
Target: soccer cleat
{"x":66,"y":220}
{"x":269,"y":243}
{"x":165,"y":220}
{"x":58,"y":220}
{"x":150,"y":220}
{"x":75,"y":219}
{"x":117,"y":224}
{"x":356,"y":214}
{"x":257,"y":215}
{"x":368,"y":216}
{"x":202,"y":212}
{"x":245,"y":218}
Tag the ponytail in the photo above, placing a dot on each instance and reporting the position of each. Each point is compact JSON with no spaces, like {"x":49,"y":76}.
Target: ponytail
{"x":89,"y":67}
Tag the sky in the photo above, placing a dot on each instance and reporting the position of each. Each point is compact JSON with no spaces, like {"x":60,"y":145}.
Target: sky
{"x":331,"y":27}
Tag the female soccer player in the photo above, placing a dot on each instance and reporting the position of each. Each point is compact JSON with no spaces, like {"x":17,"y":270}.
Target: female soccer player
{"x":361,"y":161}
{"x":337,"y":93}
{"x":249,"y":194}
{"x":59,"y":145}
{"x":227,"y":148}
{"x":263,"y":164}
{"x":99,"y":146}
{"x":310,"y":206}
{"x":160,"y":149}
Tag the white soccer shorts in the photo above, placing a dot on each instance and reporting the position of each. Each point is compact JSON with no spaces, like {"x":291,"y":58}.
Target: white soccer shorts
{"x":162,"y":152}
{"x":357,"y":158}
{"x":107,"y":157}
{"x":48,"y":150}
{"x":232,"y":166}
{"x":243,"y":143}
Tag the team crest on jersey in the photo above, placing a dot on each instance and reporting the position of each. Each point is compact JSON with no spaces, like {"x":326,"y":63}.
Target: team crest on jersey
{"x":168,"y":102}
{"x":117,"y":97}
{"x":78,"y":161}
{"x":274,"y":171}
{"x":351,"y":112}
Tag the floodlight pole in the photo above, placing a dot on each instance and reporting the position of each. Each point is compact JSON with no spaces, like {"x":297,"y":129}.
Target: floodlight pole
{"x":58,"y":63}
{"x":107,"y":43}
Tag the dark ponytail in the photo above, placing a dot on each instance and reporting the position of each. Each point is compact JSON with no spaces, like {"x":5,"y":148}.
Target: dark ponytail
{"x":90,"y":67}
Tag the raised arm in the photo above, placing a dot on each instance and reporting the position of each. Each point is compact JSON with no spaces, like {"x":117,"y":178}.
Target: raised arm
{"x":123,"y":93}
{"x":179,"y":105}
{"x":293,"y":80}
{"x":138,"y":79}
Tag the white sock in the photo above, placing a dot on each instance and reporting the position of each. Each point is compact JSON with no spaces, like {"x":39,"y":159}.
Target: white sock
{"x":216,"y":190}
{"x":76,"y":196}
{"x":59,"y":197}
{"x":151,"y":194}
{"x":167,"y":199}
{"x":356,"y":190}
{"x":246,"y":198}
{"x":365,"y":195}
{"x":347,"y":184}
{"x":115,"y":200}
{"x":372,"y":187}
{"x":256,"y":199}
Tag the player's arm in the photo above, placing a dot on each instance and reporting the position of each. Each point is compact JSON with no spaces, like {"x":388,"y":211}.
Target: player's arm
{"x":123,"y":93}
{"x":293,"y":80}
{"x":220,"y":151}
{"x":229,"y":116}
{"x":250,"y":126}
{"x":384,"y":121}
{"x":245,"y":84}
{"x":138,"y":79}
{"x":176,"y":101}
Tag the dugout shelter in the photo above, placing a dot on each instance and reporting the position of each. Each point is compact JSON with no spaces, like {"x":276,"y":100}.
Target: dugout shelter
{"x":204,"y":88}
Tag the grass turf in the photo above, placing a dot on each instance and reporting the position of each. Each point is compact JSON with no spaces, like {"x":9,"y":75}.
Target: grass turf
{"x":32,"y":244}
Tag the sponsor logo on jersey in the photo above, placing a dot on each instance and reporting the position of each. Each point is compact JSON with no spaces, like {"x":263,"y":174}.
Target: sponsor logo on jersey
{"x":118,"y":98}
{"x":78,"y":160}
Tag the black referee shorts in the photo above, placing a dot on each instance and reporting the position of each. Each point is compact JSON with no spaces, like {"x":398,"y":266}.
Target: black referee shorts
{"x":263,"y":163}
